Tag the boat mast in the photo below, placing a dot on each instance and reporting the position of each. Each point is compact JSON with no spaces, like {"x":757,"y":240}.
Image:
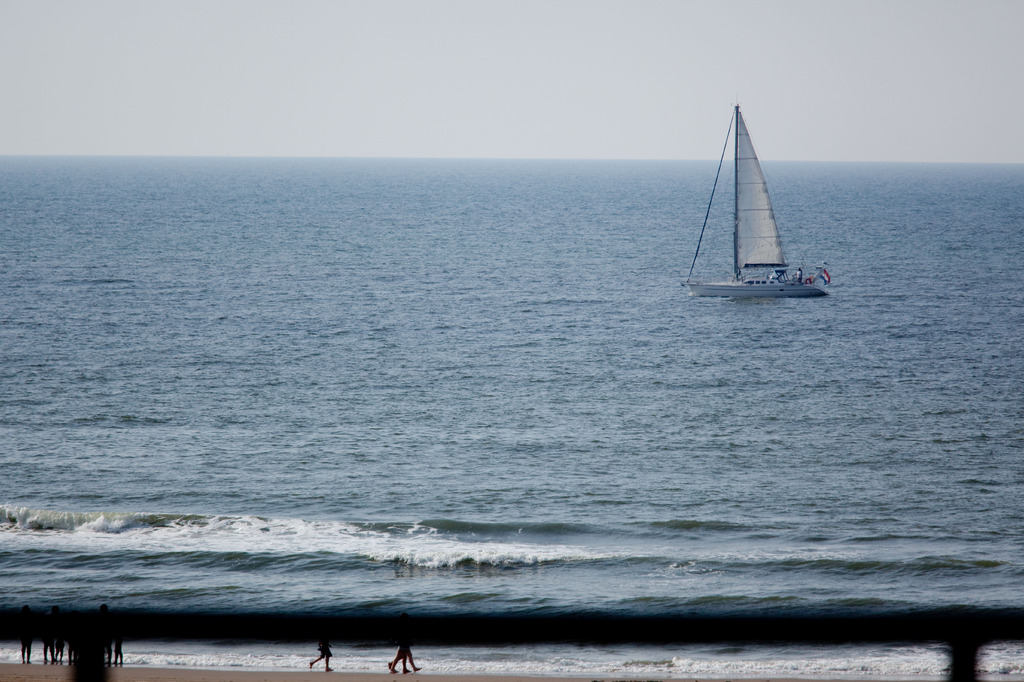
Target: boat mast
{"x":736,"y":198}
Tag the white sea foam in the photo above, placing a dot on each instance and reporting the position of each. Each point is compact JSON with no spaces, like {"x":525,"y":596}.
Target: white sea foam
{"x":910,"y":663}
{"x":413,"y":545}
{"x":410,"y":544}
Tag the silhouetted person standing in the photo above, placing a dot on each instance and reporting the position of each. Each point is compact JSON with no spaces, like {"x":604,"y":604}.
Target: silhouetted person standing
{"x":57,"y":632}
{"x":26,"y":633}
{"x":71,"y":635}
{"x":47,"y":637}
{"x":118,"y":641}
{"x":104,"y":631}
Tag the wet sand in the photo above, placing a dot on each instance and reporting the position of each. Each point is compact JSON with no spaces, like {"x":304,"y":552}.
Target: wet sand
{"x":10,"y":672}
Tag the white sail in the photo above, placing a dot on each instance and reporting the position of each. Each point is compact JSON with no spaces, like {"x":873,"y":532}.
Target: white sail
{"x":757,"y":237}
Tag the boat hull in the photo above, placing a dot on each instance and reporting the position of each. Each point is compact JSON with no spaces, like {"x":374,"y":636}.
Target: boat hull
{"x":743,"y":290}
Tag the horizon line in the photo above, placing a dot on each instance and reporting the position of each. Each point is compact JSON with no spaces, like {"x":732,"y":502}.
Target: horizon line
{"x":485,"y":158}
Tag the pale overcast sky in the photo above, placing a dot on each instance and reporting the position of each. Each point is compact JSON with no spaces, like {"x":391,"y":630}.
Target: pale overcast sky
{"x":849,"y":80}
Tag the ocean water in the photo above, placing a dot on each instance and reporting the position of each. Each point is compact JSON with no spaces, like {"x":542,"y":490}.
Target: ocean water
{"x":374,"y":386}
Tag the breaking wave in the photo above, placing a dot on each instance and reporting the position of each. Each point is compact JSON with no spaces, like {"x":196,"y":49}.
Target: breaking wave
{"x":100,"y":522}
{"x":431,"y":544}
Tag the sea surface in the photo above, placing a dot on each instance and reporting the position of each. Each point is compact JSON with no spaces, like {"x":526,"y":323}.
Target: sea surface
{"x":442,"y":387}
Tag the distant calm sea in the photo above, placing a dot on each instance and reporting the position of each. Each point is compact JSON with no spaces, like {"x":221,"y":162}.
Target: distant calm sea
{"x":373,"y":386}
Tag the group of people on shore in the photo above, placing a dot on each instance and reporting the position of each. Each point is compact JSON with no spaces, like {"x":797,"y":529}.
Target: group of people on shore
{"x":56,"y":631}
{"x":403,"y":638}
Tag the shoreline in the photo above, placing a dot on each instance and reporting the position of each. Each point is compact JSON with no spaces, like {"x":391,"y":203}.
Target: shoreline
{"x":40,"y":672}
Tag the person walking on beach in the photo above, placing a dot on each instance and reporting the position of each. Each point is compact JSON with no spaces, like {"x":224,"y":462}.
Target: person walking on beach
{"x":324,"y":647}
{"x":404,"y":641}
{"x":25,"y":632}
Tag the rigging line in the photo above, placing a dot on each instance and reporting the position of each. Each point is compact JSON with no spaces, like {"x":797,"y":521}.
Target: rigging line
{"x":719,"y":172}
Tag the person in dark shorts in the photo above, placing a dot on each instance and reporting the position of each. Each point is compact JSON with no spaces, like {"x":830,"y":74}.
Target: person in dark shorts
{"x":324,"y":647}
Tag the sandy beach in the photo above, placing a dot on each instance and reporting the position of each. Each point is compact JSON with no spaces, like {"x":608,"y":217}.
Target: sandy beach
{"x":10,"y":672}
{"x":13,"y":672}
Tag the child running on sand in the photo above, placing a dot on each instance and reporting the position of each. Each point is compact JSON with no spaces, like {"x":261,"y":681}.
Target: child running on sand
{"x":324,"y":647}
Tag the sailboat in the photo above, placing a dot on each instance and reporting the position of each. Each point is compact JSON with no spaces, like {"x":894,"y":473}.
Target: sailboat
{"x":760,"y":269}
